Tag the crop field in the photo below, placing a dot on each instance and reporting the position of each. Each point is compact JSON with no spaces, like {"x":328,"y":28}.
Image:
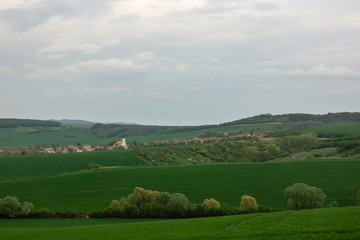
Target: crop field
{"x":342,"y":128}
{"x":330,"y":223}
{"x":53,"y":164}
{"x":88,"y":190}
{"x":187,"y":135}
{"x":10,"y":137}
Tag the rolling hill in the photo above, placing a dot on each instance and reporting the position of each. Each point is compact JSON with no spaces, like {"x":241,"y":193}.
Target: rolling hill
{"x":88,"y":190}
{"x":330,"y":223}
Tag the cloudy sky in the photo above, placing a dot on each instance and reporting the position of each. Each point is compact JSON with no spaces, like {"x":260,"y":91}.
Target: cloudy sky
{"x":177,"y":62}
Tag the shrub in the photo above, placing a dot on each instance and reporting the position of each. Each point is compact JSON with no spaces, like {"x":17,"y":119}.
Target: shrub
{"x":178,"y":204}
{"x":248,"y":202}
{"x":95,"y":166}
{"x":302,"y":196}
{"x":11,"y":207}
{"x":333,"y":204}
{"x":358,"y":197}
{"x":211,"y":203}
{"x":141,"y":196}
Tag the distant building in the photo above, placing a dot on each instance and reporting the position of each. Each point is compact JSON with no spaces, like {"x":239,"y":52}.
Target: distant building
{"x":87,"y":146}
{"x":121,"y":143}
{"x":49,"y":150}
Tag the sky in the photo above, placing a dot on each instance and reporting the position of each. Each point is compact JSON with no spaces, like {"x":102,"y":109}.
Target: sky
{"x":172,"y":62}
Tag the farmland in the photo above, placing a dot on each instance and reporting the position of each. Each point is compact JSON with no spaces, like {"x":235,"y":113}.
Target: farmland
{"x":11,"y":137}
{"x":88,"y":190}
{"x":338,"y":128}
{"x":330,"y":223}
{"x":53,"y":164}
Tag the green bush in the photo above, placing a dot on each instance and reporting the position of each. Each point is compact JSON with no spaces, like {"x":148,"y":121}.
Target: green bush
{"x":302,"y":196}
{"x":333,"y":204}
{"x":11,"y":207}
{"x":94,"y":166}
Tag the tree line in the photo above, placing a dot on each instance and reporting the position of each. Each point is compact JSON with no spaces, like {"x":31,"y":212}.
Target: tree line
{"x":143,"y":203}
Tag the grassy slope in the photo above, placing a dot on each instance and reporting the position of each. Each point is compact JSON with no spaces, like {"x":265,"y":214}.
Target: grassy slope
{"x":345,"y":128}
{"x":332,"y":223}
{"x":52,"y":164}
{"x":226,"y":182}
{"x":10,"y":137}
{"x":192,"y":134}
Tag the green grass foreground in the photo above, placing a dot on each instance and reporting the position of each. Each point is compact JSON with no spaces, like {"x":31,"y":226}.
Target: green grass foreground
{"x":89,"y":190}
{"x":58,"y":163}
{"x":330,"y":223}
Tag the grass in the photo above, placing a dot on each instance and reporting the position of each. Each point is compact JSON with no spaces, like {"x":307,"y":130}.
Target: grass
{"x":192,"y":134}
{"x":339,"y":128}
{"x":90,"y":190}
{"x":331,"y":223}
{"x":10,"y":137}
{"x":53,"y":164}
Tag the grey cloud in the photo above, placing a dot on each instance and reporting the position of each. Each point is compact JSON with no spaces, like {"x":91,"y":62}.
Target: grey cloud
{"x":26,"y":17}
{"x":265,"y":6}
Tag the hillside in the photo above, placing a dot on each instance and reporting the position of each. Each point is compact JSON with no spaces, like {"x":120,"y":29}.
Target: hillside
{"x":342,"y":117}
{"x":12,"y":122}
{"x":52,"y":164}
{"x":330,"y":223}
{"x":74,"y":122}
{"x":17,"y":132}
{"x":225,"y":182}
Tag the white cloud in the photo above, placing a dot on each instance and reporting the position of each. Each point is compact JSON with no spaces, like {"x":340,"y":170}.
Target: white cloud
{"x":320,"y":70}
{"x":85,"y":91}
{"x":136,"y":62}
{"x":7,"y":71}
{"x":68,"y":44}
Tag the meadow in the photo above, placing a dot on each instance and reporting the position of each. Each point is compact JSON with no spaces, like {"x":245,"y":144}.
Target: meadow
{"x":26,"y":166}
{"x":10,"y":137}
{"x":338,"y":128}
{"x":329,"y":223}
{"x":88,"y":190}
{"x":246,"y":128}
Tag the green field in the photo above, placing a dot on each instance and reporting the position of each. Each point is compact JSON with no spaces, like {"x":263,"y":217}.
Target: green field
{"x":53,"y":164}
{"x":90,"y":190}
{"x":10,"y":137}
{"x":247,"y":128}
{"x":331,"y":223}
{"x":339,"y":128}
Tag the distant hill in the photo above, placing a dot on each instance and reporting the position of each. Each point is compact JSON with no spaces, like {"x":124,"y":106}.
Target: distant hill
{"x":13,"y":122}
{"x":85,"y":122}
{"x":74,"y":122}
{"x":341,"y":117}
{"x":117,"y":130}
{"x":121,"y":123}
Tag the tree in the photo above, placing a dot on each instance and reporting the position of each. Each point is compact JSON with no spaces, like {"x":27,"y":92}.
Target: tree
{"x":141,"y":196}
{"x":211,"y":203}
{"x":302,"y":196}
{"x":178,"y":204}
{"x":11,"y":207}
{"x":248,"y":202}
{"x":251,"y":151}
{"x":272,"y":149}
{"x":358,"y":197}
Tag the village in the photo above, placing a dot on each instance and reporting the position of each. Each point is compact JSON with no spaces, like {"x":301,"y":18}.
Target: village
{"x":120,"y":144}
{"x":85,"y":148}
